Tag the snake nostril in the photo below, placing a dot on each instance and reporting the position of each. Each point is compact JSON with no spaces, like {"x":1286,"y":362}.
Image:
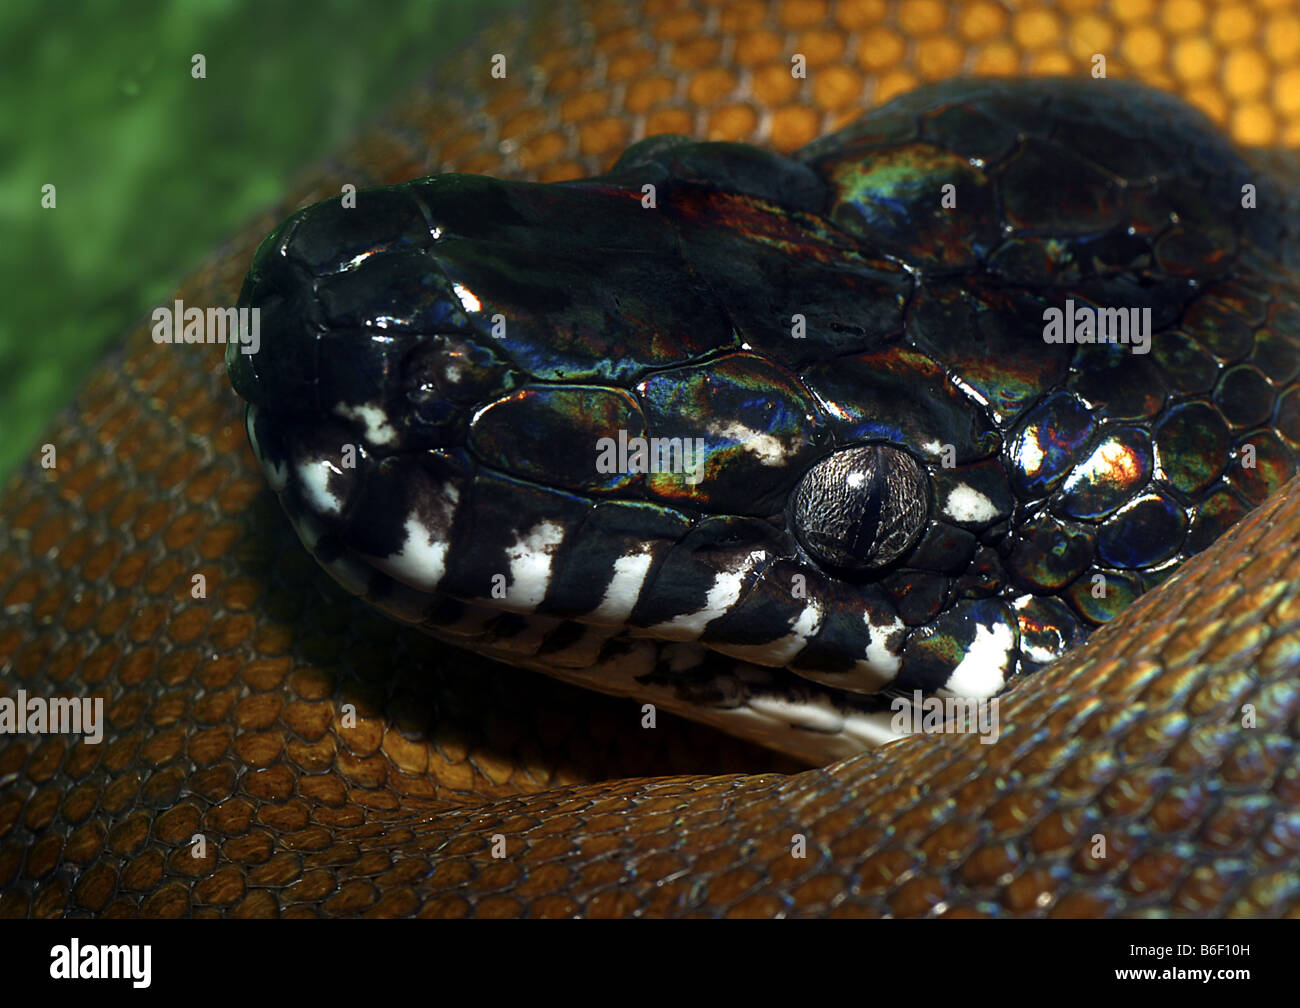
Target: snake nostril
{"x":242,"y":370}
{"x":245,"y":362}
{"x":280,"y":368}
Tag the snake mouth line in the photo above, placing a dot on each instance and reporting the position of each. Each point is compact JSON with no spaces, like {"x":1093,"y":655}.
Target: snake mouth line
{"x":766,"y":703}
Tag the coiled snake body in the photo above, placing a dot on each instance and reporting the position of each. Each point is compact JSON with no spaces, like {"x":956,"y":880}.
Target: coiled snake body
{"x":227,"y":722}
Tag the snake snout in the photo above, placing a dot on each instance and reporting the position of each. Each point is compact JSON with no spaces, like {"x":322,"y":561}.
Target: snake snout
{"x":354,"y":307}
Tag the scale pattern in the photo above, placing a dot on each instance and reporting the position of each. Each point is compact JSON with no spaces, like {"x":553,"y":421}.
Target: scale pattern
{"x":224,"y":713}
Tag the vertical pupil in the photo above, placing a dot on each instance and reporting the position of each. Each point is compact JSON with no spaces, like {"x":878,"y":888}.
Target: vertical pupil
{"x":860,"y":508}
{"x":867,"y":485}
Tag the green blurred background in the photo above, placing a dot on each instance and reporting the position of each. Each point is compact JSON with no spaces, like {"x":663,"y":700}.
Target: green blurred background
{"x":153,"y":168}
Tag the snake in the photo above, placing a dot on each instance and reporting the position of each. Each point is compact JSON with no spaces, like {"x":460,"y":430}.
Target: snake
{"x":910,"y":489}
{"x":340,"y":766}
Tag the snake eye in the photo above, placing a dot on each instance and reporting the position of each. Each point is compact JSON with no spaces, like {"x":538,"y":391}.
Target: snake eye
{"x":861,"y":508}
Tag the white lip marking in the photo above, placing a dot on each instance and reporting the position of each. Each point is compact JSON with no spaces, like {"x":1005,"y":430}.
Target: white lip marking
{"x":726,"y":588}
{"x":314,"y":476}
{"x":784,"y":649}
{"x":422,"y":560}
{"x":883,"y":640}
{"x":979,"y":673}
{"x":624,"y":589}
{"x":530,"y":565}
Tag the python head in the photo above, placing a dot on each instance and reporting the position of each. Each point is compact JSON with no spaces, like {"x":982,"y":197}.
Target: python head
{"x":770,"y":441}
